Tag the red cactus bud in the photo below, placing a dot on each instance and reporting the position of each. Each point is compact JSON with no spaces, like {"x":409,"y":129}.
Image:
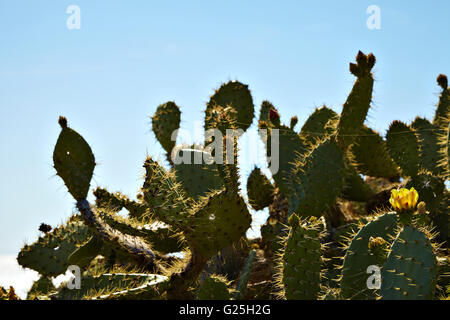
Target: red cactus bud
{"x":62,"y":122}
{"x":442,"y":81}
{"x":45,"y":228}
{"x":273,"y":114}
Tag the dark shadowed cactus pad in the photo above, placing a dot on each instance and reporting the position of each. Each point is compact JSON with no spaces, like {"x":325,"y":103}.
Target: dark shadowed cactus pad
{"x":74,"y":161}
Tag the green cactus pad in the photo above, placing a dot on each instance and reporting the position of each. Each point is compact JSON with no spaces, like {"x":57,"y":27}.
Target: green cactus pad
{"x":41,"y":287}
{"x":441,"y":219}
{"x":443,"y":108}
{"x":260,"y":190}
{"x":228,"y":169}
{"x":358,"y":257}
{"x":74,"y":161}
{"x":442,"y":122}
{"x":114,"y":202}
{"x":235,"y":95}
{"x":403,"y":147}
{"x":291,"y":146}
{"x":221,"y":219}
{"x":114,"y":286}
{"x":427,"y":134}
{"x":430,"y":188}
{"x":410,"y":270}
{"x":83,"y":256}
{"x":432,"y":191}
{"x":370,"y":156}
{"x":444,"y":144}
{"x":107,"y":200}
{"x":267,"y":108}
{"x":301,"y":262}
{"x":197,"y":177}
{"x":315,"y":126}
{"x":164,"y":122}
{"x":150,"y":290}
{"x":355,"y":109}
{"x":164,"y":240}
{"x":165,"y":197}
{"x":49,"y":254}
{"x":319,"y":179}
{"x":160,"y":236}
{"x":213,"y":288}
{"x":271,"y":235}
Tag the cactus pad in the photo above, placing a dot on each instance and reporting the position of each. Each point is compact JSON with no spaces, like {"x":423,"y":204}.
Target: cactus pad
{"x":427,"y":134}
{"x":235,"y":95}
{"x":260,"y":190}
{"x":403,"y":147}
{"x":164,"y":122}
{"x":355,"y":109}
{"x":301,"y":261}
{"x":74,"y":161}
{"x":319,"y":179}
{"x":370,"y":155}
{"x":163,"y":195}
{"x":358,"y":257}
{"x":49,"y":254}
{"x":315,"y":126}
{"x":114,"y":286}
{"x":197,"y":177}
{"x":213,"y":288}
{"x":222,"y":219}
{"x":410,"y":269}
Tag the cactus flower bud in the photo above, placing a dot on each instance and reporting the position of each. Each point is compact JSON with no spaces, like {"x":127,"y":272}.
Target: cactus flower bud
{"x":442,"y":81}
{"x":376,"y":242}
{"x":421,"y":208}
{"x":273,"y":114}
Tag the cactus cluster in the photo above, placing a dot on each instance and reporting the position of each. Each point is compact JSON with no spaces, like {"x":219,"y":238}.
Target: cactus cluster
{"x":9,"y":294}
{"x":343,"y":201}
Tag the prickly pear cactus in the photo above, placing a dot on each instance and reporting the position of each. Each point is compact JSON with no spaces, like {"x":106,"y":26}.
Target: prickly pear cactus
{"x":197,"y":175}
{"x":260,"y":190}
{"x":221,"y":219}
{"x":319,"y":179}
{"x":403,"y":147}
{"x":165,"y":122}
{"x":9,"y":294}
{"x":370,"y":155}
{"x":410,"y":270}
{"x":50,"y":254}
{"x":235,"y":95}
{"x":73,"y":161}
{"x":214,"y":288}
{"x":355,"y":109}
{"x":301,"y":260}
{"x":187,"y":226}
{"x":358,"y":257}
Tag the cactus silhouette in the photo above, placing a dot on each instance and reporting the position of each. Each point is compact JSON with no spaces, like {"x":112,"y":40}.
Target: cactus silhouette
{"x":343,"y":199}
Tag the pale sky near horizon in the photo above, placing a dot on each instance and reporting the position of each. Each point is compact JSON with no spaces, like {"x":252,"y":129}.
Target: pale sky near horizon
{"x":109,"y":76}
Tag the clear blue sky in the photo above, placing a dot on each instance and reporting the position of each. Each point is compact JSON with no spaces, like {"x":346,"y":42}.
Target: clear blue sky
{"x":129,"y":56}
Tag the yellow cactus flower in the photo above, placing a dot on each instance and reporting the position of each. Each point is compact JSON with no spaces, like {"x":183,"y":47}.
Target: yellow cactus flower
{"x":404,"y":199}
